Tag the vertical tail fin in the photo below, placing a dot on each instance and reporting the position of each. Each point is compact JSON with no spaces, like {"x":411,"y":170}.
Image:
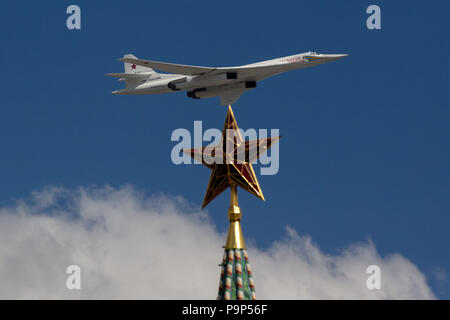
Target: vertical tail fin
{"x":133,"y":68}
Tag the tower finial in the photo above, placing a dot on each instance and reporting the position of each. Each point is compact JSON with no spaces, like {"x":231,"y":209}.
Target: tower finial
{"x":235,"y":238}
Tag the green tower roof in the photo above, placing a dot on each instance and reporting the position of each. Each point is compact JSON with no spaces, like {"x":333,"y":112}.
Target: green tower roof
{"x":236,"y":279}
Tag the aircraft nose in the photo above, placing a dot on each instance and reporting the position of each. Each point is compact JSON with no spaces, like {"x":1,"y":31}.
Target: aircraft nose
{"x":332,"y":57}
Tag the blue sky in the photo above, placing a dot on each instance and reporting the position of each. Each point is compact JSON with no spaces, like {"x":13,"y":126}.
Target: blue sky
{"x":365,"y":148}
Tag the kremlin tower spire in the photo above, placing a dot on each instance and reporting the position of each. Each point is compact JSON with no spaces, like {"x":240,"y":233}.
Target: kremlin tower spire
{"x":231,"y":165}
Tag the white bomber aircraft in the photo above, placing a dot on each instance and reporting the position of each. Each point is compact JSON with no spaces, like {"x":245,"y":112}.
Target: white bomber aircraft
{"x":204,"y":82}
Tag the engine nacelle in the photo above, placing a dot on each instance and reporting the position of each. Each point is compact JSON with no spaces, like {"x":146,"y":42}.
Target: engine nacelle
{"x":201,"y":93}
{"x":197,"y":93}
{"x":175,"y":84}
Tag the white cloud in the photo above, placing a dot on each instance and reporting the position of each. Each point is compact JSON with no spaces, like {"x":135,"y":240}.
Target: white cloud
{"x":132,"y":246}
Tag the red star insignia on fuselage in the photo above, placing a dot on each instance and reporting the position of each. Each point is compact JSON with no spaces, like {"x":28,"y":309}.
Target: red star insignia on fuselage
{"x":231,"y":161}
{"x":133,"y":67}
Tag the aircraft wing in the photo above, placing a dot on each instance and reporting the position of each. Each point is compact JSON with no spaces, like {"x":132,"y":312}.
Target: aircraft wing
{"x":129,"y":75}
{"x":196,"y":70}
{"x":169,"y":67}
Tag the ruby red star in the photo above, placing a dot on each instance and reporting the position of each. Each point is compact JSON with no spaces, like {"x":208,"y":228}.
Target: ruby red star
{"x":231,"y":161}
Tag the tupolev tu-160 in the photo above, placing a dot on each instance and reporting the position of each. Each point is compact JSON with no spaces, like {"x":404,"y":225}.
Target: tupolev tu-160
{"x":204,"y":82}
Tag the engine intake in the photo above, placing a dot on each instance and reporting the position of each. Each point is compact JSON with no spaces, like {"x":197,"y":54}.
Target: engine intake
{"x":250,"y":84}
{"x":232,"y":75}
{"x":173,"y":86}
